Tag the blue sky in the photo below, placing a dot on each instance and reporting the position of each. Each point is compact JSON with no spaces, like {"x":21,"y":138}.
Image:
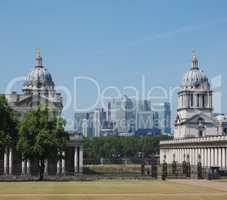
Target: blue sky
{"x":115,"y":42}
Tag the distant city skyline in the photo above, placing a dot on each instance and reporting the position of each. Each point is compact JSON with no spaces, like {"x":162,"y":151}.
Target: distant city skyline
{"x":125,"y":117}
{"x":115,"y":43}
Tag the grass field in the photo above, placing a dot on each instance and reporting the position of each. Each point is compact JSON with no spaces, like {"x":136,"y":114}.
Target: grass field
{"x":114,"y":190}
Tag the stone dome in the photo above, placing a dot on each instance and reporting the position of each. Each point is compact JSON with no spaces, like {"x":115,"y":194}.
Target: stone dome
{"x":39,"y":78}
{"x":195,"y":78}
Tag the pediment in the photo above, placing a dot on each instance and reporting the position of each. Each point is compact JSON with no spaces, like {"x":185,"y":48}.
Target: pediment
{"x":33,"y":100}
{"x":201,"y":116}
{"x":26,"y":101}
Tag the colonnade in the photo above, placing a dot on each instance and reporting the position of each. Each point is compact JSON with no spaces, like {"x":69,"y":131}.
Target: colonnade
{"x":195,"y":100}
{"x":26,"y":164}
{"x":208,"y":156}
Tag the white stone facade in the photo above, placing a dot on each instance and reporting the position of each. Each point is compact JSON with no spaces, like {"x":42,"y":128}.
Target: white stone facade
{"x":198,"y":134}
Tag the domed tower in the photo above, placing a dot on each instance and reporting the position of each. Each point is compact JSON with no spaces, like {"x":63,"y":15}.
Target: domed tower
{"x":39,"y":80}
{"x":194,"y":103}
{"x":38,"y":88}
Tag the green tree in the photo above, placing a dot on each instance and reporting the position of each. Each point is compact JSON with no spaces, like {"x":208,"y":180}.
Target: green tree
{"x":8,"y":125}
{"x":127,"y":147}
{"x":41,"y":136}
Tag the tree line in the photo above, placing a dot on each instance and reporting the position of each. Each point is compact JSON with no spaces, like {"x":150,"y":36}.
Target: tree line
{"x":122,"y":147}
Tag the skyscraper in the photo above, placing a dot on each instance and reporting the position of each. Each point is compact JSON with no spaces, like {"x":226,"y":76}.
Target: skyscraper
{"x":90,"y":124}
{"x":144,"y":115}
{"x":164,"y":115}
{"x":80,"y":121}
{"x":123,"y":114}
{"x":99,"y":119}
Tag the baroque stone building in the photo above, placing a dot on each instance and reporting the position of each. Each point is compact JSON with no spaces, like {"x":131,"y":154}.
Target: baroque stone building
{"x":39,"y":88}
{"x":199,"y":134}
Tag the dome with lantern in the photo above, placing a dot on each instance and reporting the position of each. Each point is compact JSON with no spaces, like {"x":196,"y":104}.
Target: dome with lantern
{"x":195,"y":78}
{"x":39,"y":79}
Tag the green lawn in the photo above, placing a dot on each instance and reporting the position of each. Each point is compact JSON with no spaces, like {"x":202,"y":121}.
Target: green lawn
{"x":110,"y":190}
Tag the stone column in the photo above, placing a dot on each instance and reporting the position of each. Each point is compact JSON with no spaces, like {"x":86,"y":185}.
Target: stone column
{"x":58,"y":164}
{"x":211,"y":157}
{"x":205,"y":157}
{"x":216,"y":156}
{"x":63,"y":163}
{"x":208,"y":157}
{"x":201,"y":101}
{"x":76,"y":160}
{"x":23,"y":167}
{"x":225,"y":150}
{"x":224,"y":158}
{"x":58,"y":167}
{"x":180,"y":155}
{"x":10,"y":161}
{"x":28,"y":167}
{"x":6,"y":161}
{"x":220,"y":157}
{"x":208,"y":101}
{"x":46,"y":168}
{"x":81,"y":160}
{"x":195,"y":156}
